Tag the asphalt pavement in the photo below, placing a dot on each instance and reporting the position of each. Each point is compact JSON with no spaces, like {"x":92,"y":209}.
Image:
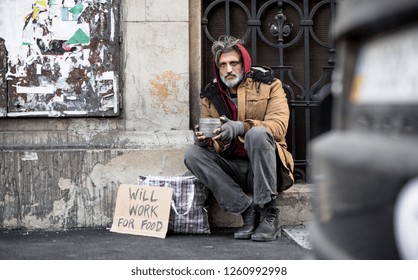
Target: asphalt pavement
{"x":101,"y":244}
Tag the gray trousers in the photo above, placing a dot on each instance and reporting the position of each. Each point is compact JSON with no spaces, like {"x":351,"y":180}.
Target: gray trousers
{"x":236,"y":183}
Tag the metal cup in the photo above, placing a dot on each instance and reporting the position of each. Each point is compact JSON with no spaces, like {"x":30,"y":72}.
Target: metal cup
{"x":208,"y":125}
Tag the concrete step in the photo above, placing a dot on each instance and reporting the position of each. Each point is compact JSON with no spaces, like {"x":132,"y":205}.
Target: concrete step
{"x":298,"y":234}
{"x":295,"y":206}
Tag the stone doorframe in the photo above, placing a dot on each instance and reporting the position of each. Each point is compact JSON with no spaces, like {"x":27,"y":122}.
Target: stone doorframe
{"x":195,"y":57}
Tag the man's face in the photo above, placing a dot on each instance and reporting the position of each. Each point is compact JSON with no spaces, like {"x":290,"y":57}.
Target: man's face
{"x":230,"y":68}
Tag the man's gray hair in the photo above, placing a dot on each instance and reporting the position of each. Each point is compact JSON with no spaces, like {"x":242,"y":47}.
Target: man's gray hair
{"x":225,"y":44}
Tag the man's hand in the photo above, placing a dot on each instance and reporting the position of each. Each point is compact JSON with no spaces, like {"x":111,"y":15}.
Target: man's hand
{"x":200,"y":139}
{"x":229,"y":130}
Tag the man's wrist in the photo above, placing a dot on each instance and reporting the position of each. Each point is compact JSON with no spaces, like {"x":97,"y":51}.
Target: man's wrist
{"x":246,"y":126}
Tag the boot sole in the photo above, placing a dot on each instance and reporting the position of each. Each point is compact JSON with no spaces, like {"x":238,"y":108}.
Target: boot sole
{"x":242,"y":236}
{"x":264,"y":239}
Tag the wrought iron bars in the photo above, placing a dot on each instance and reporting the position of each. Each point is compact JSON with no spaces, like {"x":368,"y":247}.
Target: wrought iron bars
{"x":280,"y":28}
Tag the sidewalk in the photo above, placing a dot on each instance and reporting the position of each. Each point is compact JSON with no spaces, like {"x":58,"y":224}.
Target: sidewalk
{"x":101,"y":244}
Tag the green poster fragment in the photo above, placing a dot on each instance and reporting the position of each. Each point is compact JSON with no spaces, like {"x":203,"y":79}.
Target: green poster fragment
{"x":77,"y":9}
{"x":79,"y":37}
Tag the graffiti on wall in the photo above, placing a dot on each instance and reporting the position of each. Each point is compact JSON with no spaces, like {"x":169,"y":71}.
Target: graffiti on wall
{"x":62,"y":57}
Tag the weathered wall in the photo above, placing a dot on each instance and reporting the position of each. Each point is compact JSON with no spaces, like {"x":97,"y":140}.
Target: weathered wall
{"x":56,"y":189}
{"x":58,"y":173}
{"x":156,"y":40}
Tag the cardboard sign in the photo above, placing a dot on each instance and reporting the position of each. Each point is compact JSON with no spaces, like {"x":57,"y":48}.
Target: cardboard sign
{"x":142,"y":210}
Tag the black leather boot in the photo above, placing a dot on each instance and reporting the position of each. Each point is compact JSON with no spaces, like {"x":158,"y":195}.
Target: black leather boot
{"x":269,"y":227}
{"x":251,"y":219}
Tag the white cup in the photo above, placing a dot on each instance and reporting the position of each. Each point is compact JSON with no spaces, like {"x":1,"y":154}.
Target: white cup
{"x":208,"y":125}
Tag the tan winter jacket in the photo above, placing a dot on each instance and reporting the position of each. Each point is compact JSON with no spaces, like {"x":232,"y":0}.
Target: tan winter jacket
{"x":262,"y":104}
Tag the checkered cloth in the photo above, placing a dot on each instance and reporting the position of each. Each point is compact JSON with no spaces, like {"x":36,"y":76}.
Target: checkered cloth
{"x":188,"y":213}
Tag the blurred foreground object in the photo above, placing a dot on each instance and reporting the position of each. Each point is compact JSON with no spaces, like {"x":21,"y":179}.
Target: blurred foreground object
{"x":363,"y":164}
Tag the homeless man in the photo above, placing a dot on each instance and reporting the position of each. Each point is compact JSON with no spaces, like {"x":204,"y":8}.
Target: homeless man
{"x":246,"y":163}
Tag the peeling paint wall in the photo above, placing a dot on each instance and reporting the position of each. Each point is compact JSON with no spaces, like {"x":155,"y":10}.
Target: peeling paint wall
{"x":63,"y":57}
{"x":158,"y":71}
{"x":166,"y":88}
{"x":3,"y":84}
{"x":70,"y":189}
{"x":59,"y":173}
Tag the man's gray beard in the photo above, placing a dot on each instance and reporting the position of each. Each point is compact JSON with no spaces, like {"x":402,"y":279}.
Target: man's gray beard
{"x":234,"y":82}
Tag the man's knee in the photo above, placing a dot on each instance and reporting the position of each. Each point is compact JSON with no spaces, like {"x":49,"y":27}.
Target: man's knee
{"x":191,"y":154}
{"x":196,"y":155}
{"x":258,"y":136}
{"x":256,"y":132}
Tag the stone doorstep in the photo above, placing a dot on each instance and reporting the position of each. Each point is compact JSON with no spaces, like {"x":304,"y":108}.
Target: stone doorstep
{"x":298,"y":234}
{"x":295,"y":206}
